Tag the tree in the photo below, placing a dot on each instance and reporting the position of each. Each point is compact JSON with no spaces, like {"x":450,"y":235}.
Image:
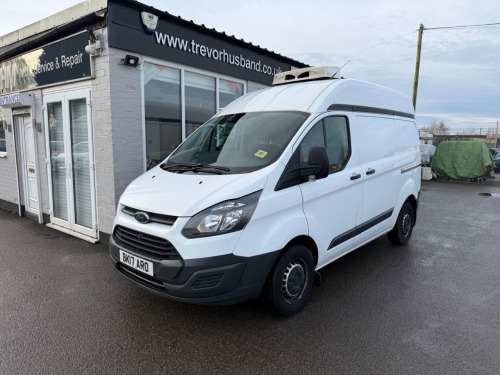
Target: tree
{"x":436,"y":128}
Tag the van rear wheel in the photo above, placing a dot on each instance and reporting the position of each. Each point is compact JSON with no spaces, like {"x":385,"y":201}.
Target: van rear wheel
{"x":401,"y":233}
{"x":289,"y":287}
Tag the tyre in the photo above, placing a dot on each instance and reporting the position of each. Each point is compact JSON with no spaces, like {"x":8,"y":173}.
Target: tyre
{"x":289,"y":286}
{"x":401,"y":233}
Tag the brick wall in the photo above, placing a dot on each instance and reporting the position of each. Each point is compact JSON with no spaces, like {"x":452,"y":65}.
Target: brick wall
{"x":103,"y":141}
{"x":117,"y":121}
{"x":127,"y":117}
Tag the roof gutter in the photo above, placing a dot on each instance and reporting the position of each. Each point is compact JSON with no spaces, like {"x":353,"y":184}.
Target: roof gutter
{"x":46,"y":37}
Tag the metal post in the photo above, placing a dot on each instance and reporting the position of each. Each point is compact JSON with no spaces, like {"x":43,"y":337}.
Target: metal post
{"x":417,"y":66}
{"x":496,"y":137}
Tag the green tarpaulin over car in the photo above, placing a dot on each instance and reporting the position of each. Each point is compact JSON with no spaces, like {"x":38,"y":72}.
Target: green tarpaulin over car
{"x":461,"y":160}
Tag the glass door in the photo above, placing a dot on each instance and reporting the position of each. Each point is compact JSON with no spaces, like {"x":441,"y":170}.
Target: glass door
{"x":72,"y":180}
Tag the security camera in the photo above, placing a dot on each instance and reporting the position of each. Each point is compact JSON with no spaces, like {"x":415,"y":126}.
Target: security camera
{"x":90,"y":49}
{"x":94,"y":48}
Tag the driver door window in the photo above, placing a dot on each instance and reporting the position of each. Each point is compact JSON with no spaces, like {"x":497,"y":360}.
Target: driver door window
{"x":333,"y":134}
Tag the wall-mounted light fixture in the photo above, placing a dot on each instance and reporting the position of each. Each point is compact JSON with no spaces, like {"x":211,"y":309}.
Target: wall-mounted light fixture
{"x":130,"y":60}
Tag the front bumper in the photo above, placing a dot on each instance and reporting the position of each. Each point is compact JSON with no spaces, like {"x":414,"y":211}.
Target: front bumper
{"x":219,"y":280}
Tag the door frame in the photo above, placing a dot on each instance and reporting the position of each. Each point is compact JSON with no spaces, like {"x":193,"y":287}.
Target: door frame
{"x":19,"y":152}
{"x":70,"y":225}
{"x":20,"y":123}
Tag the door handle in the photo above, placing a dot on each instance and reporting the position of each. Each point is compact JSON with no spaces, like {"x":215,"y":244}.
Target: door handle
{"x":370,"y":171}
{"x":69,"y":170}
{"x":355,"y":176}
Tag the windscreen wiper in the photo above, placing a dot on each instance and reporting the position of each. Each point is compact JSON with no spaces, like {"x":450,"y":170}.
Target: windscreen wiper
{"x":181,"y":168}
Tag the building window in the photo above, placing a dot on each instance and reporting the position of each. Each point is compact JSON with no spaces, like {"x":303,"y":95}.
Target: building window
{"x":199,"y":98}
{"x":229,"y":91}
{"x":3,"y":146}
{"x":177,"y":102}
{"x":162,"y":102}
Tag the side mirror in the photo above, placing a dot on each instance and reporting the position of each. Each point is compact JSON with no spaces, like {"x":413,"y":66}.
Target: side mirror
{"x":318,"y":164}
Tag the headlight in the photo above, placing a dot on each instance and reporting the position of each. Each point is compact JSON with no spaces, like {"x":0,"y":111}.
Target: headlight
{"x":225,"y":217}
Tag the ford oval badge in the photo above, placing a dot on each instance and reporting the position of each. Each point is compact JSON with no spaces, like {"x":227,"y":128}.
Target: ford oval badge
{"x":142,"y":217}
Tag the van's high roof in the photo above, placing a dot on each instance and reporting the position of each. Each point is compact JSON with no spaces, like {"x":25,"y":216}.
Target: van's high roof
{"x":315,"y":96}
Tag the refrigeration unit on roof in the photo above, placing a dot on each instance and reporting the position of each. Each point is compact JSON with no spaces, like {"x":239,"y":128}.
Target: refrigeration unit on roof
{"x":307,"y":74}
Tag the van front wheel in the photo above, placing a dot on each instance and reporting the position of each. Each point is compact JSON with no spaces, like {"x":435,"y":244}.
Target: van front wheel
{"x":401,"y":233}
{"x":290,"y":285}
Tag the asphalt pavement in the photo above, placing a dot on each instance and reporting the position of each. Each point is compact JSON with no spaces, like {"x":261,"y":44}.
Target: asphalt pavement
{"x":431,"y":307}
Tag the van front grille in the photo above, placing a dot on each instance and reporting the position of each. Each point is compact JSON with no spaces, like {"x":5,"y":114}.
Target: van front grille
{"x":153,"y":218}
{"x":145,"y":244}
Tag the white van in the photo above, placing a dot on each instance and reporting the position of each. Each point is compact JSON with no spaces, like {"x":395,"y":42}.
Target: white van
{"x":277,"y":185}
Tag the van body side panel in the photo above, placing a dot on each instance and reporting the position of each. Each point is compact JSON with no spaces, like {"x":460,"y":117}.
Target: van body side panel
{"x":380,"y":167}
{"x":407,"y":133}
{"x":411,"y":170}
{"x":332,"y":207}
{"x":409,"y":177}
{"x":277,"y":219}
{"x":332,"y":212}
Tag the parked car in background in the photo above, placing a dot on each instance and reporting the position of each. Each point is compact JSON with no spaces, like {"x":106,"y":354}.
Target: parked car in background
{"x":495,"y":152}
{"x":426,"y":154}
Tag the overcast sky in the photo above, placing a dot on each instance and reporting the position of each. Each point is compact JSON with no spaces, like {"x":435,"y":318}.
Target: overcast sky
{"x":460,"y":68}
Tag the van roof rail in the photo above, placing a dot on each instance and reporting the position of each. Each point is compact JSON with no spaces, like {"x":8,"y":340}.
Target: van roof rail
{"x":307,"y":74}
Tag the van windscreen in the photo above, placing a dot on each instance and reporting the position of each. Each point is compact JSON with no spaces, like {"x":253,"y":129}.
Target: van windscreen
{"x":237,"y":143}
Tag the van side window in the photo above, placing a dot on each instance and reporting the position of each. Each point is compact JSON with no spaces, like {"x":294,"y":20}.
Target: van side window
{"x":337,"y":142}
{"x":315,"y":138}
{"x":333,"y":134}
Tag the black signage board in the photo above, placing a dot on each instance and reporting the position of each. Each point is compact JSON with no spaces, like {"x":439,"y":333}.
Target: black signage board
{"x":58,"y":62}
{"x":180,"y":41}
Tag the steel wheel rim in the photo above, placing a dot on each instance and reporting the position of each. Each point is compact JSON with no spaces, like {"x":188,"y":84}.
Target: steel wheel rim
{"x":294,"y":280}
{"x":406,"y":224}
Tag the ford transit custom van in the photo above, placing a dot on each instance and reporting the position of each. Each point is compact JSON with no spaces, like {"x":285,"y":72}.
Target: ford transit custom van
{"x":277,"y":185}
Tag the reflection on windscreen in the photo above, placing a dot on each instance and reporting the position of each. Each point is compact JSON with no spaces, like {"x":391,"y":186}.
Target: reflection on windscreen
{"x":242,"y":142}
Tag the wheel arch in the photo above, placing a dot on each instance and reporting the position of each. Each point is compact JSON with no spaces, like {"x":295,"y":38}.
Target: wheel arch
{"x":299,"y":240}
{"x":286,"y":294}
{"x":414,"y":203}
{"x":409,"y":193}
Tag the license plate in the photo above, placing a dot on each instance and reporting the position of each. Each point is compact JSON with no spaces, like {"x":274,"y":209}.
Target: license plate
{"x":136,"y":263}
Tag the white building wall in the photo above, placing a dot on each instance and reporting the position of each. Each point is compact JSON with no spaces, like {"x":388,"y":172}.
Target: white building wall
{"x":127,"y":119}
{"x":103,"y":140}
{"x":117,"y":122}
